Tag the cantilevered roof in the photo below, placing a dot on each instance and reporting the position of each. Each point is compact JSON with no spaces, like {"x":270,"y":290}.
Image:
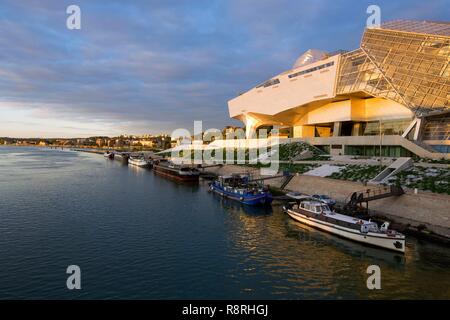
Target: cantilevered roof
{"x":419,"y":26}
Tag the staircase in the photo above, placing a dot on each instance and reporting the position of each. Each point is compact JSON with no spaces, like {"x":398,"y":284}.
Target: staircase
{"x":398,"y":165}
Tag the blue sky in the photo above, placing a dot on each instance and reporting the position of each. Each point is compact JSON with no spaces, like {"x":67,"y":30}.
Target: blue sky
{"x":154,"y":66}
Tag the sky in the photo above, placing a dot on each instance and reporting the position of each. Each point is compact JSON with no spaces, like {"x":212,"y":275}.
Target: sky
{"x":140,"y":67}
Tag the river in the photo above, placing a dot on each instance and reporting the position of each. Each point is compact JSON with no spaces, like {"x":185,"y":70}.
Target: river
{"x":136,"y":235}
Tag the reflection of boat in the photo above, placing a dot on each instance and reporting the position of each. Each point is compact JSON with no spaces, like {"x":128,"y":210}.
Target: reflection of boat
{"x":177,"y":172}
{"x":139,"y":161}
{"x":317,"y":214}
{"x":310,"y":234}
{"x":241,"y":188}
{"x":239,"y":208}
{"x":108,"y":155}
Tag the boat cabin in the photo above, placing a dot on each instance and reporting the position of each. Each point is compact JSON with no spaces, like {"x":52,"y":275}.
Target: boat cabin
{"x":234,"y":180}
{"x":240,"y":184}
{"x":315,"y":206}
{"x":322,"y":211}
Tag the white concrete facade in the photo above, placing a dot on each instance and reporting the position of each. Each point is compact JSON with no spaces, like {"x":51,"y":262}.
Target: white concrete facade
{"x":347,"y":93}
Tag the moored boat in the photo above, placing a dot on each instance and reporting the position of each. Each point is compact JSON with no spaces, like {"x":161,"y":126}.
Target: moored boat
{"x":139,"y":161}
{"x":109,"y":155}
{"x":122,"y":156}
{"x":241,"y":188}
{"x":317,"y":214}
{"x":182,"y":173}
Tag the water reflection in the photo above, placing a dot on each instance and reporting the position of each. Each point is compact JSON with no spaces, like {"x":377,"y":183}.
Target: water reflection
{"x":236,"y":207}
{"x":306,"y":233}
{"x":307,"y":263}
{"x":138,"y":171}
{"x":160,"y":239}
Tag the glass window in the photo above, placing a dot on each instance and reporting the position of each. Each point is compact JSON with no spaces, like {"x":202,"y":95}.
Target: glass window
{"x":442,"y":148}
{"x":392,"y":127}
{"x":437,"y":128}
{"x":326,"y":65}
{"x":374,"y":151}
{"x":269,"y":83}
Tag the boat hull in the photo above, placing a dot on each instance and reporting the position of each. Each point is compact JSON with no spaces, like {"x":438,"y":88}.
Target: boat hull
{"x":253,"y":200}
{"x":372,"y":239}
{"x":174,"y":174}
{"x":139,"y":164}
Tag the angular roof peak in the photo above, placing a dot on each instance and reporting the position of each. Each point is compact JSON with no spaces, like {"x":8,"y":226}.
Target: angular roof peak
{"x":419,"y":26}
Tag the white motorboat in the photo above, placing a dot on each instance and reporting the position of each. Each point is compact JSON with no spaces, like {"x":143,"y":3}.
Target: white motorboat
{"x":139,"y":161}
{"x":109,"y":155}
{"x":317,"y":214}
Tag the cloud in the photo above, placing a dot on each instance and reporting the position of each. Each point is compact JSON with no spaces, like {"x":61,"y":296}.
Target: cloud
{"x":150,"y":66}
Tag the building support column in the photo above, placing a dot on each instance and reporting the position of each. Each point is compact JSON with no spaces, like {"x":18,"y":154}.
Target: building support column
{"x":418,"y":130}
{"x":415,"y":127}
{"x":250,"y":127}
{"x":337,"y":129}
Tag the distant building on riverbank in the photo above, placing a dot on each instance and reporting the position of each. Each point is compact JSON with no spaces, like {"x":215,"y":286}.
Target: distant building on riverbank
{"x":395,"y":86}
{"x":161,"y":141}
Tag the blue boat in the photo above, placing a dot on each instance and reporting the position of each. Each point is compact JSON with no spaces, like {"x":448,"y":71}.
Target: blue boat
{"x":241,"y":188}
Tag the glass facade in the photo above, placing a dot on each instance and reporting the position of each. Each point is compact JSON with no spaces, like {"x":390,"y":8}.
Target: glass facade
{"x":441,"y":148}
{"x":400,"y":62}
{"x":358,"y":74}
{"x":374,"y":151}
{"x":323,"y":130}
{"x":396,"y":127}
{"x":417,"y":26}
{"x":437,"y":128}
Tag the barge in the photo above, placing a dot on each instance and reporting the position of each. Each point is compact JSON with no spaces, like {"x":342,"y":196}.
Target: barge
{"x":181,"y":173}
{"x":241,"y":188}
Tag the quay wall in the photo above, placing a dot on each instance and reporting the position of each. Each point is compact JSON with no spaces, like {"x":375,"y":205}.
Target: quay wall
{"x":429,"y":209}
{"x":424,"y":208}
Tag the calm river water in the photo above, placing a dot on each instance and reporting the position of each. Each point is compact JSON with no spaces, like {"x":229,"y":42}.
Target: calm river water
{"x":137,"y":235}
